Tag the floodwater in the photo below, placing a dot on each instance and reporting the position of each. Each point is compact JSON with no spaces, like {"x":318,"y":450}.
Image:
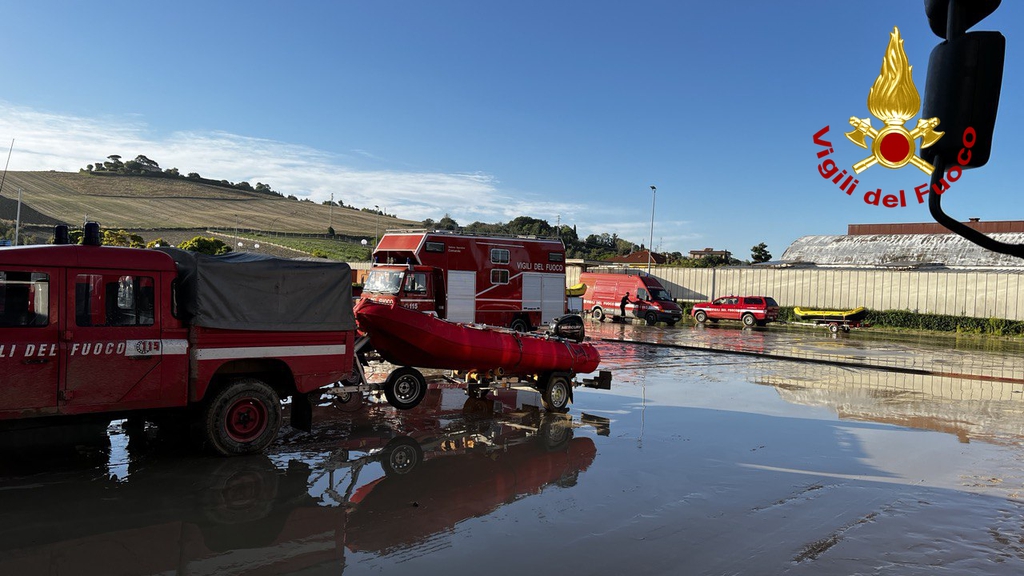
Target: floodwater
{"x":696,"y":462}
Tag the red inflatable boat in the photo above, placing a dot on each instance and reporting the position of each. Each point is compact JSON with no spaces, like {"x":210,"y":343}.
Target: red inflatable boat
{"x":410,"y":338}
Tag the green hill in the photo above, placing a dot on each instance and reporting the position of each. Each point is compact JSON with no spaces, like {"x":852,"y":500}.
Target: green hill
{"x":154,"y":204}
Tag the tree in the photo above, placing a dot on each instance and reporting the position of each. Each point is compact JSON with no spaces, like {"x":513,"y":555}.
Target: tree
{"x":211,"y":246}
{"x":330,"y":231}
{"x":122,"y":238}
{"x":147,"y":162}
{"x":158,"y":242}
{"x":760,"y":253}
{"x":447,"y":223}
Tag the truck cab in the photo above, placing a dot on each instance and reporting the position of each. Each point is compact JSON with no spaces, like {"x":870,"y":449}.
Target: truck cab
{"x":419,"y":288}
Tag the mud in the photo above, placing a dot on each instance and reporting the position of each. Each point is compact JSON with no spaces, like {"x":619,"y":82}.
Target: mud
{"x":695,"y":462}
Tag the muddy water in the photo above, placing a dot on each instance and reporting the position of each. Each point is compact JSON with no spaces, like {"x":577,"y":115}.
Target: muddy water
{"x":694,"y":463}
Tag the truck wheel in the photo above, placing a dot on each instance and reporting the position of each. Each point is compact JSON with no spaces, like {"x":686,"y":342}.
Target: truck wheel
{"x":519,"y":325}
{"x":651,"y":318}
{"x":242,"y":418}
{"x":597,"y":314}
{"x":555,"y":396}
{"x":405,"y":388}
{"x":833,"y":328}
{"x":700,"y":316}
{"x":749,"y":320}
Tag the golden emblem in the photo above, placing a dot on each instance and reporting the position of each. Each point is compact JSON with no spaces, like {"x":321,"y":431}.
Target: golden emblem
{"x":893,"y":99}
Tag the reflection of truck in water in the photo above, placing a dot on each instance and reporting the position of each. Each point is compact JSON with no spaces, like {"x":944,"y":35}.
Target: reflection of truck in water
{"x":169,"y":336}
{"x":649,"y":300}
{"x":514,"y":282}
{"x":254,"y":515}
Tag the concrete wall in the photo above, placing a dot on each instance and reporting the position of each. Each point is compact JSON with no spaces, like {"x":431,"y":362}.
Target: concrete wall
{"x":996,"y":294}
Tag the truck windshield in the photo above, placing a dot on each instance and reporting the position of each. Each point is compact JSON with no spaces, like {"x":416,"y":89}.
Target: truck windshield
{"x":660,"y":294}
{"x":384,"y":281}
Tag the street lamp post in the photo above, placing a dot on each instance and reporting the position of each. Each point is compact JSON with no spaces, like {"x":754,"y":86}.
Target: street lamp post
{"x":654,"y":197}
{"x":376,"y":225}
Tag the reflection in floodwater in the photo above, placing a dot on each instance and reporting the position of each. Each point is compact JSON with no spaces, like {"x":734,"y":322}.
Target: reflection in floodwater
{"x":374,"y":481}
{"x":990,"y":411}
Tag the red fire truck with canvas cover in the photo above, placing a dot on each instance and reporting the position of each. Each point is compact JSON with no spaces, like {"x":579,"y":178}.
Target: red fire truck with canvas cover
{"x":95,"y":332}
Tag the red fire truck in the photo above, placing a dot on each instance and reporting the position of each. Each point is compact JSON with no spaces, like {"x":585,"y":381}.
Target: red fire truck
{"x":169,"y":336}
{"x":517,"y":282}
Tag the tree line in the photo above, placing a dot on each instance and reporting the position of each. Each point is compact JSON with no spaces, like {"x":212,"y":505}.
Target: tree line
{"x":593,"y":247}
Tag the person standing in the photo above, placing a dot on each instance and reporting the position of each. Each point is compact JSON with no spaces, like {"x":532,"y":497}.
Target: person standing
{"x":622,"y":305}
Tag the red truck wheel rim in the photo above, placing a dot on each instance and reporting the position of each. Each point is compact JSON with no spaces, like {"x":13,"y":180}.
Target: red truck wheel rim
{"x":247,"y":419}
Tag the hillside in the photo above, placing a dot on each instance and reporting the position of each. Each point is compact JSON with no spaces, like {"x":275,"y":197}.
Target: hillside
{"x":137,"y":203}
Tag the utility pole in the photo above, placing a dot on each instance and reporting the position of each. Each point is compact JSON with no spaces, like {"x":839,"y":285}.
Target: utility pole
{"x":650,"y":245}
{"x":17,"y":219}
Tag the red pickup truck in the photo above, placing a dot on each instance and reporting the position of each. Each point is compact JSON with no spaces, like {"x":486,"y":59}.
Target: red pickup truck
{"x":750,"y":310}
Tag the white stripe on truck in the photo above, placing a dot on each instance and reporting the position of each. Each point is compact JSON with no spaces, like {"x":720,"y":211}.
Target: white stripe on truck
{"x":268,"y":352}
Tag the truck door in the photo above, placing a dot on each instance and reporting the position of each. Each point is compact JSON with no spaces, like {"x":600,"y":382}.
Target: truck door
{"x":544,"y":293}
{"x":462,"y":296}
{"x":29,"y":345}
{"x":113,"y":342}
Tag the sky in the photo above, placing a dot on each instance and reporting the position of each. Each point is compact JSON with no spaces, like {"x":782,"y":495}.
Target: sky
{"x":565,"y":111}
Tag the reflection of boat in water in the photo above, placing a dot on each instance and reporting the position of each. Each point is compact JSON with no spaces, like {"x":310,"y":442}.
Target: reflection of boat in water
{"x":196,"y":516}
{"x":854,"y":315}
{"x":399,"y":510}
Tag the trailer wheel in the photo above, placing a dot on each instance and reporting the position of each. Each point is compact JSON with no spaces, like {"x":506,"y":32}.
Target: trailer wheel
{"x":597,"y":313}
{"x":749,"y":320}
{"x":700,"y":316}
{"x":242,"y":418}
{"x":400,"y":456}
{"x":651,"y":318}
{"x":405,"y":388}
{"x":833,"y":328}
{"x":519,"y":325}
{"x":555,"y":396}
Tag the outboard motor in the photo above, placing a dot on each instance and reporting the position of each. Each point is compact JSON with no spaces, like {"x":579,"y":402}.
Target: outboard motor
{"x":569,"y":327}
{"x":92,"y":236}
{"x":61,"y":235}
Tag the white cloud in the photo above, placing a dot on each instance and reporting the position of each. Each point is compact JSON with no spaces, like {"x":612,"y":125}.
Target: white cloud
{"x":50,"y":141}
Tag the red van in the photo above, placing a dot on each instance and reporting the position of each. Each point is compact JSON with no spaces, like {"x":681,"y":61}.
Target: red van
{"x":648,"y":299}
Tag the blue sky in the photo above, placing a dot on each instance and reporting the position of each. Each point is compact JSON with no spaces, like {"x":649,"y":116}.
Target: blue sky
{"x":491,"y":110}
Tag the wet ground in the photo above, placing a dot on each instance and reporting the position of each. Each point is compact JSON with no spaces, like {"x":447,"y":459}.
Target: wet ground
{"x":696,"y":462}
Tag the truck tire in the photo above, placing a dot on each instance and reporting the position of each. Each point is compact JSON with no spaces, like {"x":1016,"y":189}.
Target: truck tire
{"x":749,"y":320}
{"x":651,"y":318}
{"x":244,"y":417}
{"x":700,"y":316}
{"x":519,"y":325}
{"x":405,"y":388}
{"x":556,"y":394}
{"x":597,"y":313}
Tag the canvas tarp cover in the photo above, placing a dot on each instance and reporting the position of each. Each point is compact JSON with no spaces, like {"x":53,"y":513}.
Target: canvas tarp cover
{"x":247,"y":291}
